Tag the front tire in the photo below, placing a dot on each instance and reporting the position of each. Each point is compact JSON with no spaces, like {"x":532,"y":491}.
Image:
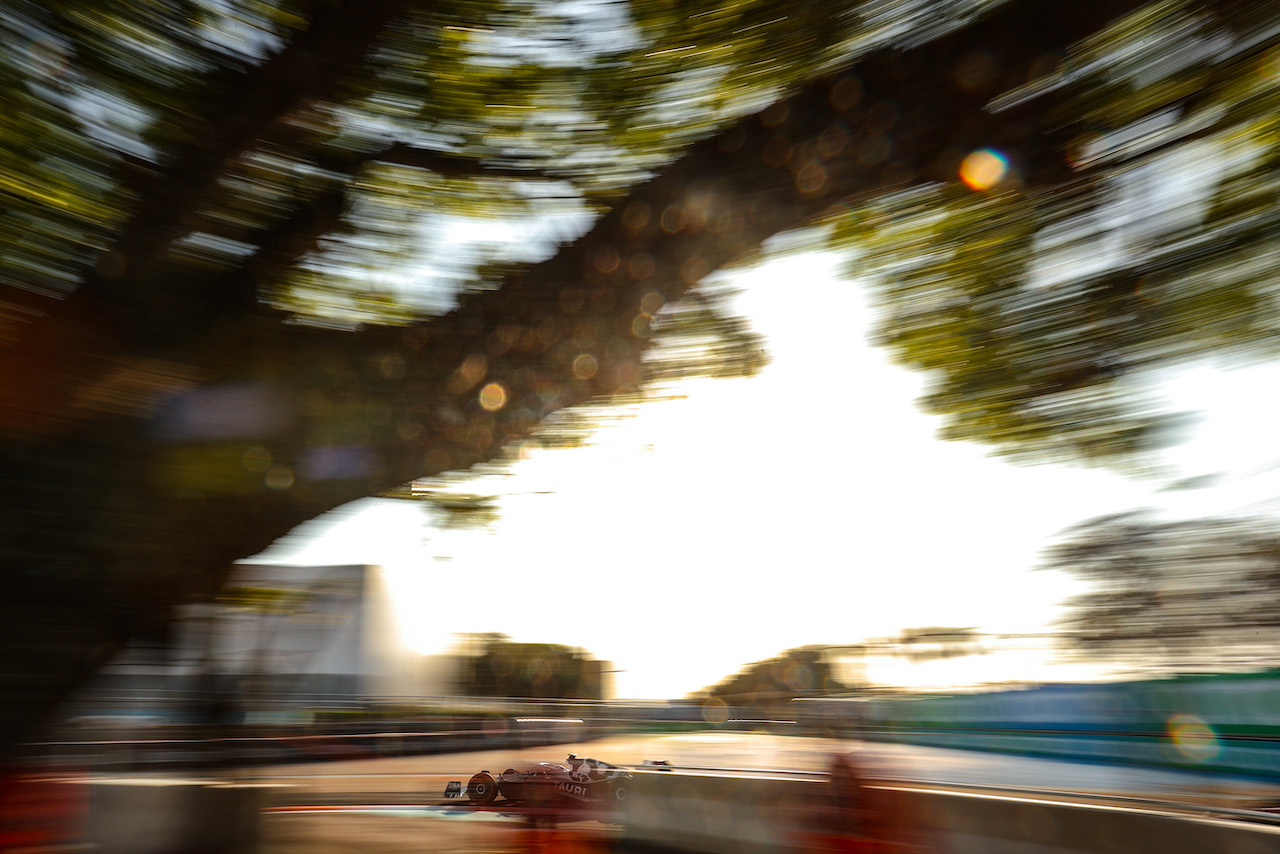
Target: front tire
{"x":482,"y":789}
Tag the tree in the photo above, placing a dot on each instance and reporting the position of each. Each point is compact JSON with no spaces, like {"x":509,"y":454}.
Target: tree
{"x":1169,"y":596}
{"x":504,"y":668}
{"x":934,"y":643}
{"x":203,"y":346}
{"x":802,"y":672}
{"x":1044,"y":316}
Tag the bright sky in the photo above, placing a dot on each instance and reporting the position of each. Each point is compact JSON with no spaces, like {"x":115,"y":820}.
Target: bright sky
{"x":810,"y":504}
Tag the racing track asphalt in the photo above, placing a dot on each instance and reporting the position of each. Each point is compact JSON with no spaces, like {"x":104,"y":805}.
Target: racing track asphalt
{"x":397,"y":805}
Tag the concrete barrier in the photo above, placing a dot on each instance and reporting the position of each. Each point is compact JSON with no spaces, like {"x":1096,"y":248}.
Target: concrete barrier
{"x":766,"y":814}
{"x":172,"y":816}
{"x":981,"y":823}
{"x":707,"y":812}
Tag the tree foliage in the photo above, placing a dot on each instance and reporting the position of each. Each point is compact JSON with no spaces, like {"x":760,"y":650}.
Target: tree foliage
{"x":501,"y":667}
{"x":1040,"y":310}
{"x":938,"y":643}
{"x":1196,"y":594}
{"x":801,"y":672}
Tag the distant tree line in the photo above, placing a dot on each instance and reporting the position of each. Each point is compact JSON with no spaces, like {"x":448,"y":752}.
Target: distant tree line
{"x":502,"y":667}
{"x":801,"y":672}
{"x":1172,"y":595}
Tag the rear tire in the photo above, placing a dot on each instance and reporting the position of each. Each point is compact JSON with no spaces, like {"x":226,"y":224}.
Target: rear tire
{"x":482,"y":789}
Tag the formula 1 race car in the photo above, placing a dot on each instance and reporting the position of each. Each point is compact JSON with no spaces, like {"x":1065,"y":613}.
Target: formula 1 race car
{"x":588,"y":781}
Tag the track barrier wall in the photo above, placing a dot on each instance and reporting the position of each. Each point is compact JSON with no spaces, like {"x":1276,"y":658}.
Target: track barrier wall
{"x":755,"y":814}
{"x":172,"y":816}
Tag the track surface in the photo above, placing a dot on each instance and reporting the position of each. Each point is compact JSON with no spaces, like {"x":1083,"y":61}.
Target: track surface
{"x":392,"y":805}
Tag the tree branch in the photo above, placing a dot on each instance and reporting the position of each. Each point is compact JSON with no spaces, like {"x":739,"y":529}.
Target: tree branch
{"x":284,"y":244}
{"x":451,"y":165}
{"x":579,"y":321}
{"x":242,"y":113}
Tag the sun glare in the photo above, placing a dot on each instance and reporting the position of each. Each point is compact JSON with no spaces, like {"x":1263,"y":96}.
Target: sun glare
{"x":983,"y":169}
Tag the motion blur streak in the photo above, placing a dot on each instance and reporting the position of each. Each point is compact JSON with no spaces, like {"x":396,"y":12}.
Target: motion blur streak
{"x":262,"y":259}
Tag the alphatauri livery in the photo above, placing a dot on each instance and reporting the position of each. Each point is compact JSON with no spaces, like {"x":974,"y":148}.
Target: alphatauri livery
{"x":545,"y":783}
